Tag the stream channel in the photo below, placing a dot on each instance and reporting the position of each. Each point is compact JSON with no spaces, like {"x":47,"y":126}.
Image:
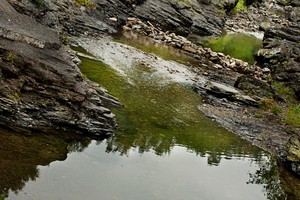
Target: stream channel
{"x":164,"y":148}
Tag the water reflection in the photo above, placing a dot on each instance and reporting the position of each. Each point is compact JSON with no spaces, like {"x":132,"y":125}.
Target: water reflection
{"x":20,"y":155}
{"x":164,"y":149}
{"x":158,"y":117}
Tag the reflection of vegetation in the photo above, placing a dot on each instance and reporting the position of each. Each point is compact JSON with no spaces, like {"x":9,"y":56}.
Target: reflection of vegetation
{"x":3,"y":196}
{"x":268,"y":176}
{"x":159,"y":115}
{"x":78,"y":146}
{"x":237,"y":45}
{"x":20,"y":155}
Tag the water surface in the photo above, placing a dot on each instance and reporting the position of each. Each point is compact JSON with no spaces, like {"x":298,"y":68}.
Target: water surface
{"x":164,"y":148}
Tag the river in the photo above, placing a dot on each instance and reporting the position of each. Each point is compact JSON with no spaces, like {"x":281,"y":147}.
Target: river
{"x":164,"y":147}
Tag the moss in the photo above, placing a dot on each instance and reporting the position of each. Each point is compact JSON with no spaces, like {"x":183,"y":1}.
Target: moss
{"x":10,"y":57}
{"x":237,"y":45}
{"x":87,"y":3}
{"x":258,"y":115}
{"x":276,"y":110}
{"x":283,"y":91}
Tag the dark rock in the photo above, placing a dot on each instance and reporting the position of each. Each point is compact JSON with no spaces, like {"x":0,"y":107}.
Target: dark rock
{"x":208,"y":88}
{"x":281,"y":54}
{"x":170,"y":15}
{"x":229,"y":4}
{"x":254,"y":87}
{"x":40,"y":88}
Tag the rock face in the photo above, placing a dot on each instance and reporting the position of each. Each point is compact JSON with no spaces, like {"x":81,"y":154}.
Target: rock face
{"x":182,"y":17}
{"x":176,"y":16}
{"x":281,"y":54}
{"x":40,"y":88}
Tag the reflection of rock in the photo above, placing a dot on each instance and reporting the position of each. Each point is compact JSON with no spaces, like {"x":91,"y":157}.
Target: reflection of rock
{"x":20,"y":155}
{"x":290,"y":184}
{"x":293,"y":154}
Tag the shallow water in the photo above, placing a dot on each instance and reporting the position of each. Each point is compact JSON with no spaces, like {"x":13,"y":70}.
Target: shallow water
{"x":164,"y":148}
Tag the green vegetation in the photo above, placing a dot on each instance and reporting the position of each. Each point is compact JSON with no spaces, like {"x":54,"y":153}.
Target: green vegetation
{"x":267,"y":104}
{"x":240,"y":6}
{"x":3,"y":196}
{"x":293,"y":116}
{"x":87,"y":3}
{"x":237,"y":45}
{"x":287,"y":111}
{"x":258,"y":115}
{"x":10,"y":57}
{"x":283,"y":91}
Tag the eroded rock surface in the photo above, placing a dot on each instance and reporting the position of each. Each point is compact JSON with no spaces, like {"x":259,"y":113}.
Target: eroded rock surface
{"x":40,"y":88}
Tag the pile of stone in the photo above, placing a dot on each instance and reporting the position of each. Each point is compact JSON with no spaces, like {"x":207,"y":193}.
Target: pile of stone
{"x":261,"y":16}
{"x":208,"y":57}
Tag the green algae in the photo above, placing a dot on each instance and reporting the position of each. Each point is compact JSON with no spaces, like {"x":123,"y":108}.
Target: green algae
{"x":160,"y":116}
{"x":237,"y":45}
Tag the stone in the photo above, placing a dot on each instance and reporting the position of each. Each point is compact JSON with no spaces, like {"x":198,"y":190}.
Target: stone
{"x":264,"y":26}
{"x":189,"y":49}
{"x":223,"y":91}
{"x":113,"y":19}
{"x":266,"y":70}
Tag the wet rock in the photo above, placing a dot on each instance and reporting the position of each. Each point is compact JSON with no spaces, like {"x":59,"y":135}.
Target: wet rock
{"x":207,"y":88}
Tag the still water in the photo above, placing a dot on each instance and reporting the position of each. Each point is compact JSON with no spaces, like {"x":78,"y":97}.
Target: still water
{"x":163,"y":149}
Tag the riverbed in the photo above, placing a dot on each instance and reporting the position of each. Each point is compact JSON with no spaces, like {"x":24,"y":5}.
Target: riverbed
{"x":164,"y":147}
